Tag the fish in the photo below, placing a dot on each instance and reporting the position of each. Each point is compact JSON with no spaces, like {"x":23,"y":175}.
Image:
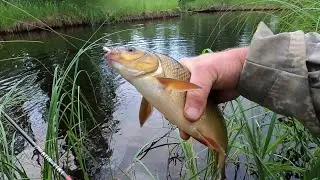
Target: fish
{"x":163,"y":83}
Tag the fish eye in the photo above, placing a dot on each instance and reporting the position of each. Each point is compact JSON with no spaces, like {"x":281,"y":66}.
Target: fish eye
{"x":130,"y":49}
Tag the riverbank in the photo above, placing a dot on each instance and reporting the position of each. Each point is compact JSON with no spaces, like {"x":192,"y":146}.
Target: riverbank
{"x":38,"y":15}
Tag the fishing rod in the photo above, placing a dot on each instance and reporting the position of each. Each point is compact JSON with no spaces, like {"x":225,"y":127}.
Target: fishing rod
{"x":36,"y":147}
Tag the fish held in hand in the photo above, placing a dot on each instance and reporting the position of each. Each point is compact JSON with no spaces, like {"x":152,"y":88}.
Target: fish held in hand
{"x":163,"y":83}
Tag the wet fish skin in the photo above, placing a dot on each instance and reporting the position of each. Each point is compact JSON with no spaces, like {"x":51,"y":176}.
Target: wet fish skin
{"x":163,"y":82}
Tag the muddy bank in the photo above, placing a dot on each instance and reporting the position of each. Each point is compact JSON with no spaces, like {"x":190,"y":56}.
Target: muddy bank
{"x":59,"y":22}
{"x":238,"y":8}
{"x":22,"y":27}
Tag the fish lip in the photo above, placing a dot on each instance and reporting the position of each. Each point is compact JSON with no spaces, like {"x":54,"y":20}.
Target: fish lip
{"x":111,"y":56}
{"x":112,"y":59}
{"x":113,"y":62}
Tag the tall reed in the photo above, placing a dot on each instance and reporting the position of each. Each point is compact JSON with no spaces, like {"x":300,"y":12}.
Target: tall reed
{"x":68,"y":106}
{"x":10,"y":166}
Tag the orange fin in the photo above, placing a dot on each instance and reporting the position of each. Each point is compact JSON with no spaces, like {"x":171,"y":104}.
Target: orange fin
{"x":220,"y":152}
{"x":145,"y":111}
{"x":174,"y":84}
{"x":213,"y":144}
{"x":210,"y":143}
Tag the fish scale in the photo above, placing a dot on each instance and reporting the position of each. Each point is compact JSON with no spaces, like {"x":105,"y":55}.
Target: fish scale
{"x":173,"y":69}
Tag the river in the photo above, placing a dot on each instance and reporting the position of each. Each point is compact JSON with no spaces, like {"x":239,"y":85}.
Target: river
{"x":120,"y":137}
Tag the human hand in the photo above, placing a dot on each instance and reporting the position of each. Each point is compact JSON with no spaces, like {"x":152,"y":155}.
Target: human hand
{"x":217,"y":74}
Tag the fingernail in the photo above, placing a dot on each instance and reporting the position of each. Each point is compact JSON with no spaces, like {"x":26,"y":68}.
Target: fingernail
{"x":192,"y":113}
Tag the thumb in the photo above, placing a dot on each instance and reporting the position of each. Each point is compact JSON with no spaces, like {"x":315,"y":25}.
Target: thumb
{"x":196,"y":100}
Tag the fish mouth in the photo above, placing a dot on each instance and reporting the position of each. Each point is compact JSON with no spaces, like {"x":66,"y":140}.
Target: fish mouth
{"x":111,"y":54}
{"x":113,"y":60}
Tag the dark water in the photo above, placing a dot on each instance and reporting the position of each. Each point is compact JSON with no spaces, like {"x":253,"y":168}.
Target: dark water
{"x":120,"y":136}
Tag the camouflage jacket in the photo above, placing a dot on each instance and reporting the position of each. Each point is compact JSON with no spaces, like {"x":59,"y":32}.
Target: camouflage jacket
{"x":282,"y":73}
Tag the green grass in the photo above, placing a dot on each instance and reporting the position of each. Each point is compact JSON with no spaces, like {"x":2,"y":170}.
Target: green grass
{"x":56,"y":14}
{"x":73,"y":12}
{"x":191,"y":161}
{"x":10,"y":166}
{"x":69,"y":106}
{"x":302,"y":15}
{"x":265,"y":140}
{"x":268,"y":145}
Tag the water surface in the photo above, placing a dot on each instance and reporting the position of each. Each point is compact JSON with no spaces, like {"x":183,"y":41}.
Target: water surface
{"x":120,"y":136}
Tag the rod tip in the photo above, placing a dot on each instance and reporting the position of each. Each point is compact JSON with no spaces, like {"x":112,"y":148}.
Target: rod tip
{"x":106,"y":49}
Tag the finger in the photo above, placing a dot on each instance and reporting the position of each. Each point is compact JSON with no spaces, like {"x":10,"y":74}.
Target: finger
{"x":196,"y":100}
{"x":184,"y":135}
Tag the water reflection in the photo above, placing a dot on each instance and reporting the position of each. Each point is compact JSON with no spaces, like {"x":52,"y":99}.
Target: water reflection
{"x":118,"y":138}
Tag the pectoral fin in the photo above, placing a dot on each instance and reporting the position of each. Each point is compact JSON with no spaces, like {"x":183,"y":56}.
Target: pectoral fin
{"x":177,"y":85}
{"x":145,"y":111}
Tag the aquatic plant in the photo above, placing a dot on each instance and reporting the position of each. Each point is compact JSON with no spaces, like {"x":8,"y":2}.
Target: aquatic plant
{"x":266,"y":144}
{"x":68,"y":106}
{"x":10,"y":166}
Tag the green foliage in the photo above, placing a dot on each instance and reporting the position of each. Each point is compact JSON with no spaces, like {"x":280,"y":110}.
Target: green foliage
{"x":62,"y":13}
{"x":191,"y":159}
{"x":68,"y":106}
{"x":10,"y":166}
{"x":301,"y":15}
{"x":293,"y":15}
{"x":56,"y":13}
{"x":267,"y":145}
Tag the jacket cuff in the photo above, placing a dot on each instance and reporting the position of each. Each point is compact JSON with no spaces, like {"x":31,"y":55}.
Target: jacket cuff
{"x":275,"y":75}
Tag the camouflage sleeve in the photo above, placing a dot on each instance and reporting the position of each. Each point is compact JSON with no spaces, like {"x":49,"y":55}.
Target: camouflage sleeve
{"x":282,"y":72}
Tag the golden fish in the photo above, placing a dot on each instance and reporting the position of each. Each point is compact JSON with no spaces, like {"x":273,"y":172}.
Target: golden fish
{"x":163,"y":82}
